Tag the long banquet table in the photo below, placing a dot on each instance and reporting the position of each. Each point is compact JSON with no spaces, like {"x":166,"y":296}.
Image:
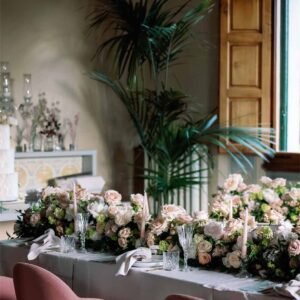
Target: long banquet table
{"x":93,"y":275}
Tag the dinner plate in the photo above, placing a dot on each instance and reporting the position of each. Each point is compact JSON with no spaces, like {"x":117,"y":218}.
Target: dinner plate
{"x":148,"y":264}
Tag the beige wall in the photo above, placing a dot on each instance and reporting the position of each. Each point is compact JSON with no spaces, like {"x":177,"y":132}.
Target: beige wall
{"x":48,"y":38}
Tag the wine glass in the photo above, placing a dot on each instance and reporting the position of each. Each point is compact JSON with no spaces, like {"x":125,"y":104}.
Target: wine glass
{"x":185,"y":236}
{"x":81,"y":224}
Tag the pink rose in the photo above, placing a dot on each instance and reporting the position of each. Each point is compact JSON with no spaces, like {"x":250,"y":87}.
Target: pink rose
{"x":278,"y":182}
{"x":184,"y":219}
{"x":271,"y":197}
{"x":123,"y":216}
{"x":253,"y":188}
{"x":35,"y":218}
{"x":232,"y":182}
{"x":273,"y":216}
{"x":204,"y":258}
{"x":200,"y":216}
{"x":267,"y":181}
{"x":150,"y":239}
{"x":125,"y":233}
{"x":214,"y":230}
{"x":123,"y":243}
{"x":137,"y":199}
{"x":112,"y":211}
{"x":171,"y":211}
{"x":294,"y":248}
{"x":159,"y":225}
{"x":112,"y":197}
{"x":219,"y":251}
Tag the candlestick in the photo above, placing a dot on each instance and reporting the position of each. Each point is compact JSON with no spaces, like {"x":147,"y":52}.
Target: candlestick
{"x":74,"y":199}
{"x":245,"y":235}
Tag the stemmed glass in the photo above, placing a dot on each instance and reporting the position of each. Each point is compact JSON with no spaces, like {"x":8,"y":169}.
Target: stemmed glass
{"x":81,"y":224}
{"x":185,"y":236}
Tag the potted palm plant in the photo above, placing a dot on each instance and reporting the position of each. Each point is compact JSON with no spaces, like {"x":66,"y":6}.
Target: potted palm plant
{"x":144,"y":40}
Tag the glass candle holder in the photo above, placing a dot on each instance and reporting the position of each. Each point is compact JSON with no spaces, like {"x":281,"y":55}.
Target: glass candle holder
{"x":171,"y":260}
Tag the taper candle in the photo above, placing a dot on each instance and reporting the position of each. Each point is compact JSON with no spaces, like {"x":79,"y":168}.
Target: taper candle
{"x":230,"y":209}
{"x":74,"y":200}
{"x":245,"y":234}
{"x":145,"y":214}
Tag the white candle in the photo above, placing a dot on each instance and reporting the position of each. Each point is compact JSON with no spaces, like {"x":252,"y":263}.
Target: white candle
{"x":145,"y":214}
{"x":74,"y":200}
{"x":245,"y":235}
{"x":230,"y":209}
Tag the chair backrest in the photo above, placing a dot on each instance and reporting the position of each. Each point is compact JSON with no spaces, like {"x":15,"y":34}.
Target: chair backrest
{"x":35,"y":283}
{"x":182,"y":297}
{"x":7,"y":290}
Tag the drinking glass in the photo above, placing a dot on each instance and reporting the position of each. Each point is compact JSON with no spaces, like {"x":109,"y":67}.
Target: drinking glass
{"x":170,"y":260}
{"x":81,"y":224}
{"x":185,"y":236}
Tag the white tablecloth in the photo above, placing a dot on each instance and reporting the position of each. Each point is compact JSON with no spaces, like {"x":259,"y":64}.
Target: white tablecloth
{"x":92,"y":275}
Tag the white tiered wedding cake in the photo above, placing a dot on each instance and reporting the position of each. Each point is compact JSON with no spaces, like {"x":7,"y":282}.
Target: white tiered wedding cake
{"x":8,"y":176}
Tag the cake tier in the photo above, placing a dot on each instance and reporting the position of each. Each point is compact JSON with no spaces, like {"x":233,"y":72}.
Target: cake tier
{"x":7,"y":161}
{"x":8,"y":187}
{"x":4,"y":137}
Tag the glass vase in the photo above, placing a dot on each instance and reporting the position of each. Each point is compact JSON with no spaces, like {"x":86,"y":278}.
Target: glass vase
{"x":49,"y":143}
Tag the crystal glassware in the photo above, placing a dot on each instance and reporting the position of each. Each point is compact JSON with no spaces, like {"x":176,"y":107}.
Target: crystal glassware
{"x":185,"y":236}
{"x":81,"y":224}
{"x":170,"y":260}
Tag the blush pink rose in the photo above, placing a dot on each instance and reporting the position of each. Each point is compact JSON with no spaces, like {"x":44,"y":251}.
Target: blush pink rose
{"x":159,"y":225}
{"x":184,"y":219}
{"x":214,"y":230}
{"x":125,"y":233}
{"x":204,"y":258}
{"x":112,"y":197}
{"x":232,"y":182}
{"x":123,"y":243}
{"x":171,"y":211}
{"x":294,"y":248}
{"x":137,"y":199}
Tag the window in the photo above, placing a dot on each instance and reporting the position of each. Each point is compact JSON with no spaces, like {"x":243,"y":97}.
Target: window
{"x":288,"y":62}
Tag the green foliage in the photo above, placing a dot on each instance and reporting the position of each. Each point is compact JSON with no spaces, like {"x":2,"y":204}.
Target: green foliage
{"x":150,"y":36}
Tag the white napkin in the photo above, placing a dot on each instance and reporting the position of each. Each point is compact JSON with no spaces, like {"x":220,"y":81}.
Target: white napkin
{"x":126,"y":260}
{"x":50,"y":241}
{"x":290,"y":289}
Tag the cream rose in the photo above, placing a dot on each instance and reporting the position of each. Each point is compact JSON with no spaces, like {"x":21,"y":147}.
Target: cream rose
{"x":294,"y":248}
{"x":278,"y":182}
{"x":232,"y":182}
{"x":113,"y":211}
{"x":64,"y":200}
{"x":204,"y":246}
{"x":150,"y":239}
{"x":214,"y":230}
{"x":219,"y":251}
{"x":204,"y":258}
{"x":112,"y":197}
{"x":234,"y":259}
{"x":123,"y":216}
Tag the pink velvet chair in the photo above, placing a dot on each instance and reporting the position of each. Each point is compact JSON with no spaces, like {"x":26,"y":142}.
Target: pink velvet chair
{"x":7,"y":290}
{"x":182,"y":297}
{"x":35,"y":283}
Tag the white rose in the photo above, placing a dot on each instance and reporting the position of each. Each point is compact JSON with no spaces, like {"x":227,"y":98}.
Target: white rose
{"x":198,"y":238}
{"x":184,"y":218}
{"x":294,"y":193}
{"x":232,"y":182}
{"x":124,"y":216}
{"x":214,"y":230}
{"x":204,"y":246}
{"x":274,"y":216}
{"x":254,"y":188}
{"x":271,"y":196}
{"x":112,"y":197}
{"x":95,"y":208}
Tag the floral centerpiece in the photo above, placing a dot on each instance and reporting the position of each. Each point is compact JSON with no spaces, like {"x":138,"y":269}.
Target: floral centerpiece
{"x":54,"y":210}
{"x":116,"y":225}
{"x":271,"y":201}
{"x":162,"y":230}
{"x":275,"y":255}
